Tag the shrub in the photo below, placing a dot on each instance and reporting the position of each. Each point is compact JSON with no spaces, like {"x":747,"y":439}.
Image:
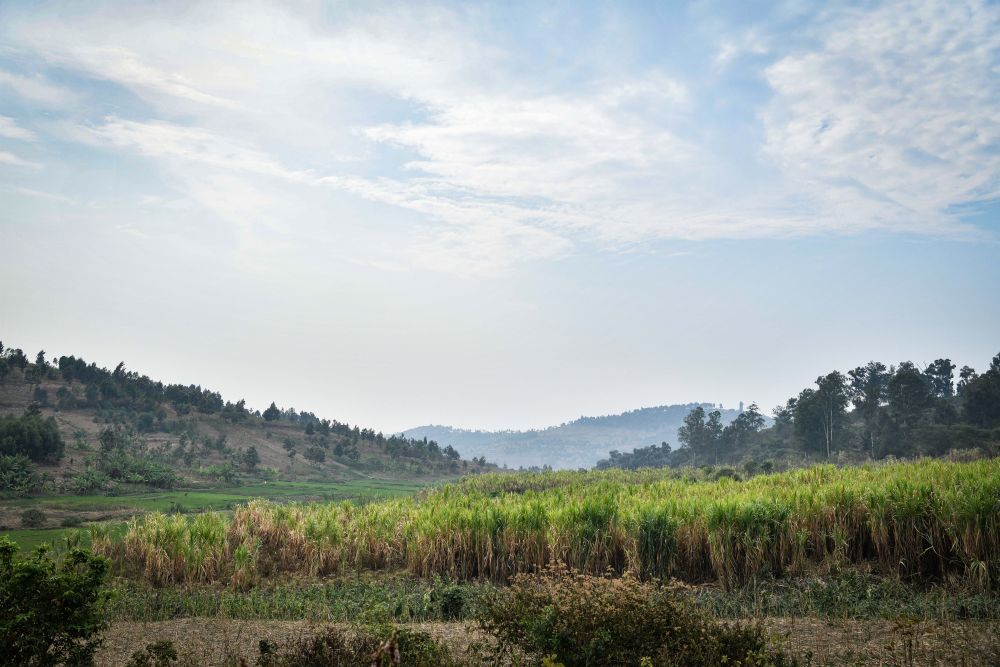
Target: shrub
{"x":157,"y":654}
{"x":578,"y":619}
{"x":18,"y":475}
{"x":71,"y":522}
{"x":450,"y":599}
{"x":89,"y":481}
{"x":49,"y":613}
{"x":40,"y":396}
{"x":32,"y":518}
{"x":372,"y":647}
{"x":122,"y":466}
{"x":315,"y":454}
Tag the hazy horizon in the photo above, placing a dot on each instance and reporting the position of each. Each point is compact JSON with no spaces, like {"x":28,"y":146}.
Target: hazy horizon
{"x":500,"y":216}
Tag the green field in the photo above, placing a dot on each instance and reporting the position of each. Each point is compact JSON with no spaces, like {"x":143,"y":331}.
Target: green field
{"x":198,"y":500}
{"x":926,"y":520}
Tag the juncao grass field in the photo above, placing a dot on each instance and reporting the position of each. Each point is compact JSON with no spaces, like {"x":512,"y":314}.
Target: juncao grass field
{"x":889,"y":564}
{"x":926,"y":520}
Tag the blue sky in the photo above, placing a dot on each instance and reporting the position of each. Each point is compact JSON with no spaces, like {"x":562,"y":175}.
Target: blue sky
{"x":500,"y":215}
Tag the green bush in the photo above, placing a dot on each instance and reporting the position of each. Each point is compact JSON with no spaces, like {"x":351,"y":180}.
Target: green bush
{"x":32,"y":518}
{"x":450,"y":599}
{"x":18,"y":475}
{"x":71,"y":522}
{"x":124,"y":467}
{"x":89,"y":481}
{"x":50,"y":613}
{"x":578,"y":619}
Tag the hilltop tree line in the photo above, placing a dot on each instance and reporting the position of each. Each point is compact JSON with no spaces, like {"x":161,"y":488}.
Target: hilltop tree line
{"x":872,"y":411}
{"x":126,"y":398}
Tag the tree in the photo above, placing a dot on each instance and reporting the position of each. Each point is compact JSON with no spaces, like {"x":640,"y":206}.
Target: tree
{"x":50,"y":613}
{"x":32,"y":435}
{"x":713,"y":433}
{"x":693,"y":433}
{"x":272,"y":413}
{"x":783,"y":414}
{"x":832,"y":398}
{"x":965,"y":376}
{"x":40,"y":359}
{"x":16,"y":358}
{"x":940,"y":375}
{"x":251,"y":458}
{"x":808,"y":420}
{"x":909,"y":395}
{"x":867,"y":389}
{"x":981,"y":397}
{"x":734,"y":436}
{"x":315,"y":454}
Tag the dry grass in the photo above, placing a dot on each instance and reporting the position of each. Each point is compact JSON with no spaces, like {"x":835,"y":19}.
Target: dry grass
{"x":840,"y":643}
{"x":890,"y":643}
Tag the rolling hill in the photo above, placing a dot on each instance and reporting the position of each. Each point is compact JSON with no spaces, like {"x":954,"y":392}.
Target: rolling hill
{"x":579,"y":443}
{"x":119,"y":430}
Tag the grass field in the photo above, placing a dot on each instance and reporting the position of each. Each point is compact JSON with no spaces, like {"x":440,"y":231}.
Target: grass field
{"x":193,"y":501}
{"x":881,"y":565}
{"x":928,"y":520}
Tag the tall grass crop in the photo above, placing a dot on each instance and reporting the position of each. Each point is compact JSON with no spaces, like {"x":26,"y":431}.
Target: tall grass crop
{"x":924,"y":519}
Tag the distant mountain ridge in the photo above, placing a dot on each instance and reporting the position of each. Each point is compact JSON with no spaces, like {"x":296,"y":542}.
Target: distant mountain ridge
{"x":576,"y":444}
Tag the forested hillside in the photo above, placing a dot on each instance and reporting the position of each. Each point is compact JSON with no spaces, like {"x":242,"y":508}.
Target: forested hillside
{"x":873,"y":411}
{"x":579,"y":443}
{"x":68,"y":426}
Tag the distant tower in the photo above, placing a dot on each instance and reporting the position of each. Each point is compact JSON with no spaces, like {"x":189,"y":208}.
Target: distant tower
{"x":741,"y":407}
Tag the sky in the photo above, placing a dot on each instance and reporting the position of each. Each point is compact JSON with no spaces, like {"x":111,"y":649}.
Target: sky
{"x":500,"y":215}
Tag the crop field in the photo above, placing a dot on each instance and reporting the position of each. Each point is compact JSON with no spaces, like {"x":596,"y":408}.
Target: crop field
{"x":226,"y":497}
{"x":188,"y":501}
{"x":923,"y":520}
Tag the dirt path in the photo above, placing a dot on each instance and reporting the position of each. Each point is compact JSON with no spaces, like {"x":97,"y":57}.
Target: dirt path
{"x":841,"y":642}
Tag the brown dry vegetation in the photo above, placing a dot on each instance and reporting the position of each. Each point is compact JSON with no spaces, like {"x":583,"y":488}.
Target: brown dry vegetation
{"x":842,"y":642}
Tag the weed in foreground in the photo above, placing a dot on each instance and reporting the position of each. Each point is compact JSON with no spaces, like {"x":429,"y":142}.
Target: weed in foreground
{"x":575,"y":619}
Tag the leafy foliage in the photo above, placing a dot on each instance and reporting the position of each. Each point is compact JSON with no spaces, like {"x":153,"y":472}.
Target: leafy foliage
{"x":578,"y":619}
{"x":31,"y":435}
{"x":50,"y":613}
{"x":898,"y":411}
{"x":18,"y":475}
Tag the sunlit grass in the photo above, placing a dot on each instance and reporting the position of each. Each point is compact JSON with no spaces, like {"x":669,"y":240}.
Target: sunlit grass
{"x":922,"y":519}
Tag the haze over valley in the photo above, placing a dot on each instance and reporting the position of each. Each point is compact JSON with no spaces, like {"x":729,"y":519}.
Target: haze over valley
{"x":430,"y":333}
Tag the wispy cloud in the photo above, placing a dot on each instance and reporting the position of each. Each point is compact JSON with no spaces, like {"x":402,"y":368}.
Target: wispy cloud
{"x":15,"y":161}
{"x":749,"y":41}
{"x":47,"y":196}
{"x":885,"y":118}
{"x":895,"y":118}
{"x":11,"y":130}
{"x":36,"y":89}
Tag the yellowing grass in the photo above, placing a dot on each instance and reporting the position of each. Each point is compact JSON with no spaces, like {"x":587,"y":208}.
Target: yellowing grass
{"x":928,"y":518}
